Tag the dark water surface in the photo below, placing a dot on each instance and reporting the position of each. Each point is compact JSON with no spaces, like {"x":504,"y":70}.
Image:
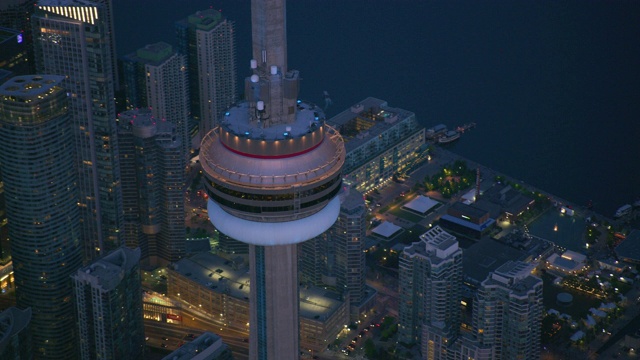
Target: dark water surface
{"x":554,"y":87}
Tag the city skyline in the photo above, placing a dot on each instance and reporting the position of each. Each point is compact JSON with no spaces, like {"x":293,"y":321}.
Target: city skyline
{"x":240,"y":237}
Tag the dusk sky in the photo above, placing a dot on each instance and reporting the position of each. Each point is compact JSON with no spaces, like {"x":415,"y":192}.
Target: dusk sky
{"x":552,"y":86}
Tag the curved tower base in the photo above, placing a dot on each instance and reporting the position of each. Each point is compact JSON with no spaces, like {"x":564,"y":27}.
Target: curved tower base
{"x":274,"y":322}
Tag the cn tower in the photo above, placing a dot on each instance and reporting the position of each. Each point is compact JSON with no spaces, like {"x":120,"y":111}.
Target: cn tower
{"x":273,"y":170}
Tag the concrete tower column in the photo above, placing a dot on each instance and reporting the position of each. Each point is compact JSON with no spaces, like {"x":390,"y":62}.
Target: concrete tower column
{"x":274,"y":318}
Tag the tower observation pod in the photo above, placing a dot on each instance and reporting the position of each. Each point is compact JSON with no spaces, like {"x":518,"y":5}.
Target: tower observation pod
{"x":273,"y":172}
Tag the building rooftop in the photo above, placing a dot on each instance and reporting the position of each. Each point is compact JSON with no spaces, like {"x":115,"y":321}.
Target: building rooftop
{"x":485,"y":256}
{"x":629,"y":248}
{"x":469,"y":210}
{"x":435,"y":244}
{"x":516,"y":276}
{"x":232,"y":277}
{"x":317,"y":303}
{"x":12,"y":321}
{"x":469,"y":224}
{"x":205,"y":19}
{"x":152,"y":54}
{"x":217,"y":273}
{"x":387,"y":229}
{"x":421,"y":204}
{"x":106,"y":273}
{"x":351,"y":200}
{"x":205,"y":347}
{"x":366,"y":120}
{"x":29,"y":86}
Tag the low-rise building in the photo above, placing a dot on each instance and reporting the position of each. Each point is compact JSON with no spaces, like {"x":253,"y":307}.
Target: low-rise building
{"x":220,"y":287}
{"x":467,"y":220}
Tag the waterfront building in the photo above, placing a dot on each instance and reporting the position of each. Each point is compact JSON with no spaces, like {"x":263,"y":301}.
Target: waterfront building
{"x":155,"y":77}
{"x":108,"y":298}
{"x":37,"y":159}
{"x":507,"y":312}
{"x":273,"y":172}
{"x":512,"y":202}
{"x":73,"y":38}
{"x":153,"y":178}
{"x":15,"y":337}
{"x":381,"y":141}
{"x":207,"y":346}
{"x":336,"y":258}
{"x":221,"y":288}
{"x":430,"y":286}
{"x":467,"y":220}
{"x":207,"y":39}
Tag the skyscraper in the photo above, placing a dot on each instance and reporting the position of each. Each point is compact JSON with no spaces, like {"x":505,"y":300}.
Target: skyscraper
{"x":430,"y":286}
{"x":336,"y":258}
{"x":208,"y":41}
{"x":507,"y":312}
{"x":155,"y":77}
{"x":153,"y":177}
{"x":73,"y":39}
{"x":41,"y":199}
{"x":108,"y":297}
{"x":273,"y":170}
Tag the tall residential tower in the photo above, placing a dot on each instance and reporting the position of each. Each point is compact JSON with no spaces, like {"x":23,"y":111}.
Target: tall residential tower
{"x":155,"y":77}
{"x":273,"y":170}
{"x":208,"y":41}
{"x":108,"y":298}
{"x":74,"y":39}
{"x":153,"y":180}
{"x":41,"y":199}
{"x":430,"y":286}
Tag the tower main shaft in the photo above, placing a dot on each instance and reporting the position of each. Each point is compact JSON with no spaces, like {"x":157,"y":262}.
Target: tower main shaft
{"x":273,"y":171}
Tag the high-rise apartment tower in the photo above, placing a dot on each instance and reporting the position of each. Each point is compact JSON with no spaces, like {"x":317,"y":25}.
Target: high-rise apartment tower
{"x":508,"y":310}
{"x":430,"y":285}
{"x":155,"y":77}
{"x":336,"y":259}
{"x":73,"y":38}
{"x":153,"y":177}
{"x":37,"y":159}
{"x":273,"y":170}
{"x":208,"y":41}
{"x":108,"y":298}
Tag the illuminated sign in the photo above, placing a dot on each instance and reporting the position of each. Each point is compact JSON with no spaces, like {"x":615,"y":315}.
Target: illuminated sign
{"x":174,"y":317}
{"x":19,"y":38}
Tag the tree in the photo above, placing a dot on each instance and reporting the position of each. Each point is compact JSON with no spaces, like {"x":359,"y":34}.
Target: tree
{"x":370,"y":349}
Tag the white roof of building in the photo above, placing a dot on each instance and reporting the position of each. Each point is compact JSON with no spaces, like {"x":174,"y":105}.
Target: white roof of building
{"x":575,"y":256}
{"x":421,"y":204}
{"x":470,"y":195}
{"x":386,"y":229}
